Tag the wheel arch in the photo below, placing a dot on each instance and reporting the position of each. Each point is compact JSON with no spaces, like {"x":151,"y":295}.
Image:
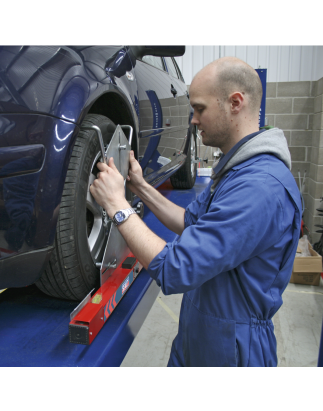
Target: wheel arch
{"x":112,"y":104}
{"x":117,"y":109}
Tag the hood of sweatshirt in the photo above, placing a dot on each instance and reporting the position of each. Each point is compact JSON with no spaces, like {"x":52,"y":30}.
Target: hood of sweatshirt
{"x":270,"y":141}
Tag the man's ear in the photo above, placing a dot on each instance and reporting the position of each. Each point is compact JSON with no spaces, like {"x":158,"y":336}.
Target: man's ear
{"x":237,"y":100}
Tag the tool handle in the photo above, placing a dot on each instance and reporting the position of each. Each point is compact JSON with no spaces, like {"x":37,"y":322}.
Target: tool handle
{"x":99,"y":134}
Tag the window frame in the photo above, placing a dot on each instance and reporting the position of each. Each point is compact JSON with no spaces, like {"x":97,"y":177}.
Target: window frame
{"x":178,"y":71}
{"x":177,"y":77}
{"x":157,"y":68}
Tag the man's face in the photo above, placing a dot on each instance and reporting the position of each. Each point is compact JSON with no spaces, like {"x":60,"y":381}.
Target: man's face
{"x":211,"y":115}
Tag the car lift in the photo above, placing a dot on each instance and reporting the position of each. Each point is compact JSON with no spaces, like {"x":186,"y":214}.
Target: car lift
{"x":119,"y":266}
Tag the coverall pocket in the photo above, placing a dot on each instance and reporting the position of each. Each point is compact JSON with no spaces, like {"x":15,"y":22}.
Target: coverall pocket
{"x":208,"y":341}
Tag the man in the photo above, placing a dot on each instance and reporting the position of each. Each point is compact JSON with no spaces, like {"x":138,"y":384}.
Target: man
{"x":237,"y":241}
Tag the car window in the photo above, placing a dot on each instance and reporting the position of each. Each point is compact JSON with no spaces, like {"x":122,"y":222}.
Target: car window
{"x":179,"y":71}
{"x":154,"y":61}
{"x":171,"y":68}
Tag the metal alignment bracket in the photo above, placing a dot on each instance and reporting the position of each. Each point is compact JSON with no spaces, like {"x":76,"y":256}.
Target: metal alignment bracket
{"x":99,"y":134}
{"x":198,"y":158}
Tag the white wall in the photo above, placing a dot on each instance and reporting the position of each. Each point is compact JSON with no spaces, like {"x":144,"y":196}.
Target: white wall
{"x":283,"y":63}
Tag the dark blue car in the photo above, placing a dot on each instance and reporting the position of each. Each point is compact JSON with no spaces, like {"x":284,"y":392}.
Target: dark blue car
{"x":51,"y":229}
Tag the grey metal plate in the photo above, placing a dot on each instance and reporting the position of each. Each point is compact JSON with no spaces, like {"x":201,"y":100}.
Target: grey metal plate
{"x":116,"y":249}
{"x":120,"y":156}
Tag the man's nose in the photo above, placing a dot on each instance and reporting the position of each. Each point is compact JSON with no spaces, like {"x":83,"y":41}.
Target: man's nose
{"x":195,"y":120}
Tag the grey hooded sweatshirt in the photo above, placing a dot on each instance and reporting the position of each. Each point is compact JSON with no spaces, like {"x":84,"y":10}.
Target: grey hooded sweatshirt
{"x":270,"y":141}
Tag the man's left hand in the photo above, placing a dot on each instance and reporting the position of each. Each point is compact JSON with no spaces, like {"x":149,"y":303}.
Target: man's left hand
{"x":108,"y":189}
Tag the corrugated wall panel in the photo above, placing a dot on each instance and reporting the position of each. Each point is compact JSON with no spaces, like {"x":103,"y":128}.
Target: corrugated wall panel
{"x":273,"y":64}
{"x":228,"y":51}
{"x":180,"y":63}
{"x":319,"y":62}
{"x":263,"y":53}
{"x":216,"y":52}
{"x":283,"y":63}
{"x":252,"y":56}
{"x":208,"y":56}
{"x":198,"y":63}
{"x":306,"y":63}
{"x":283,"y":70}
{"x":241,"y":52}
{"x":295,"y":63}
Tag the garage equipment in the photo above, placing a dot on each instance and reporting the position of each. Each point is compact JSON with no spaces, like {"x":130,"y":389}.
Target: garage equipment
{"x":118,"y":268}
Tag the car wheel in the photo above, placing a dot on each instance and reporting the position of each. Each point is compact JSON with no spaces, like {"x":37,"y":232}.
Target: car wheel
{"x":185,"y":177}
{"x":80,"y":235}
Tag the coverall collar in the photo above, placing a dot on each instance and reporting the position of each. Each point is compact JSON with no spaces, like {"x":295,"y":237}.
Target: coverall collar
{"x":226,"y":157}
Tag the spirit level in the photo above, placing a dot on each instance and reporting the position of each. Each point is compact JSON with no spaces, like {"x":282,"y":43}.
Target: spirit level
{"x":91,"y":314}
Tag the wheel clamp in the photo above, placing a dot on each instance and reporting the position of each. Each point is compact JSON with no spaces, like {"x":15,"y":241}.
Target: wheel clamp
{"x":119,"y":267}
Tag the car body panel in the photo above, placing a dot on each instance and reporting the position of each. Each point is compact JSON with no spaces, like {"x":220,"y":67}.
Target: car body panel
{"x":29,"y":202}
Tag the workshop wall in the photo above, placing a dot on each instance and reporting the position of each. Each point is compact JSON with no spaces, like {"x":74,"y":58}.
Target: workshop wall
{"x":290,"y":107}
{"x":283,"y":63}
{"x":315,"y":181}
{"x":296,"y":108}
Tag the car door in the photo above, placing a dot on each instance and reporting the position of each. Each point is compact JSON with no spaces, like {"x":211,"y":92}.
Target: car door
{"x":158,"y":110}
{"x":183,"y":105}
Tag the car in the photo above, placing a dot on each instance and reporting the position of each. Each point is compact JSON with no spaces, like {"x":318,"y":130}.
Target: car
{"x":52,"y":232}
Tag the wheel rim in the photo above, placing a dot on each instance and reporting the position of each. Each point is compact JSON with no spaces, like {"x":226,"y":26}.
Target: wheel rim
{"x":193,"y":164}
{"x":97,"y":233}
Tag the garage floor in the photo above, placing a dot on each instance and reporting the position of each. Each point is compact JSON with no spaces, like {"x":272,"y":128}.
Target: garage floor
{"x":297,"y":327}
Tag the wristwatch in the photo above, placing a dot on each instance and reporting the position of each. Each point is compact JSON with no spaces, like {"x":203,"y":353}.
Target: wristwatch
{"x":122,"y":215}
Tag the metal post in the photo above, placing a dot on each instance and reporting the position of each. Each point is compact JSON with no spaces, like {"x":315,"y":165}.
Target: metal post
{"x":320,"y":360}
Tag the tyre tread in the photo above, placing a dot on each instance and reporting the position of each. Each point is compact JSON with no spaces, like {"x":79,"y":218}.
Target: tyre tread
{"x":63,"y":276}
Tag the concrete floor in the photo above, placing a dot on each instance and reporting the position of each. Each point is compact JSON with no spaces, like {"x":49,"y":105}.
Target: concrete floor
{"x":297,"y":327}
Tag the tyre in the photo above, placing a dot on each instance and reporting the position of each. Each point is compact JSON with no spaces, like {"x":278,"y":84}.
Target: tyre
{"x":185,"y":177}
{"x":80,"y":235}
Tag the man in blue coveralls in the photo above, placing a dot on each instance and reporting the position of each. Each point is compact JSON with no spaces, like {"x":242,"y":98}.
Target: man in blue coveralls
{"x":237,"y":241}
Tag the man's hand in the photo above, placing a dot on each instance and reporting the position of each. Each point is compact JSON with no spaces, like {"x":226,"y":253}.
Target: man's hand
{"x":109,"y":192}
{"x":135,"y":179}
{"x":171,"y":215}
{"x":108,"y":189}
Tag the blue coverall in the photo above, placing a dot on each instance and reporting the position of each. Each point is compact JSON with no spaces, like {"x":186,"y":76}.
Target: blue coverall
{"x":232,"y":262}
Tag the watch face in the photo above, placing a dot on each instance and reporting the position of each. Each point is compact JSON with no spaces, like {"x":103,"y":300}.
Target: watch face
{"x":120,"y":216}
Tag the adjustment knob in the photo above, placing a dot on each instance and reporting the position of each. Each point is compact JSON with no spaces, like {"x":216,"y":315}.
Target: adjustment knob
{"x":140,"y":209}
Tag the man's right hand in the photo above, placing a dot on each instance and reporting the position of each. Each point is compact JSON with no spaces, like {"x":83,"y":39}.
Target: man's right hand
{"x":135,"y":179}
{"x":170,"y":214}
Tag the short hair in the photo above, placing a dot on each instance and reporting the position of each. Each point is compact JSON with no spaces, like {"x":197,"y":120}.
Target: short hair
{"x":235,"y":75}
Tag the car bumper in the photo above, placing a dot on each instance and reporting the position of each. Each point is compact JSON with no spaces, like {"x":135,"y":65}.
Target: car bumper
{"x":34,"y":156}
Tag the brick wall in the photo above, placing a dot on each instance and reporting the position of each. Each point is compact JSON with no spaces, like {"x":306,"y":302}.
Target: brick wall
{"x":296,"y":108}
{"x":315,"y":191}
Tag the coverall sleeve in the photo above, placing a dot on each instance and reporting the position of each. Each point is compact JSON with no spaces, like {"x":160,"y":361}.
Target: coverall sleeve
{"x":192,"y":210}
{"x":241,"y":222}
